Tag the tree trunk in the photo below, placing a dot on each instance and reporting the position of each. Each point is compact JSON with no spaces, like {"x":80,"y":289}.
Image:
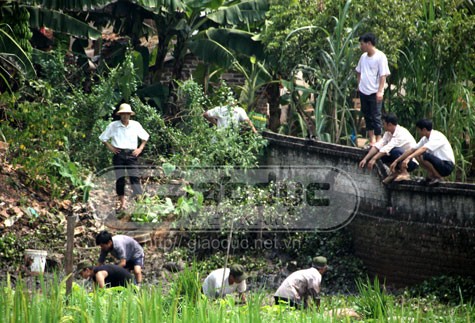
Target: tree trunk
{"x":273,"y":92}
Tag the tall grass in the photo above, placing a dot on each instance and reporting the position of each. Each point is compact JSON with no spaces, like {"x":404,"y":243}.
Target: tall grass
{"x":433,"y":81}
{"x":180,"y":303}
{"x":332,"y":79}
{"x":374,"y":300}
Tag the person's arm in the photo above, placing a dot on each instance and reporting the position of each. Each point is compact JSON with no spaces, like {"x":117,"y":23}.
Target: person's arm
{"x":139,"y":150}
{"x":380,"y":94}
{"x":101,"y":278}
{"x":401,"y":158}
{"x":375,"y":158}
{"x":358,"y":79}
{"x":315,"y":295}
{"x":241,"y":289}
{"x":122,"y":262}
{"x":249,"y":122}
{"x":111,"y":148}
{"x":102,"y":257}
{"x":373,"y":151}
{"x":242,"y":297}
{"x":210,"y":118}
{"x":143,"y":136}
{"x":105,"y":137}
{"x":415,"y":154}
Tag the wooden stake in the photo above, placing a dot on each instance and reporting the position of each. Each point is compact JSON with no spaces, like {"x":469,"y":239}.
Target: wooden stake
{"x":69,"y":252}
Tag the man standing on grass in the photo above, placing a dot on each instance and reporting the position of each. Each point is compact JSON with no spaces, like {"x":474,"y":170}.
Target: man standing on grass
{"x":124,"y":248}
{"x":372,"y":71}
{"x":302,"y":285}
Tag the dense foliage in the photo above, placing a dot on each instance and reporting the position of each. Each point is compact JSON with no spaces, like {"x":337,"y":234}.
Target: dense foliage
{"x":432,"y":69}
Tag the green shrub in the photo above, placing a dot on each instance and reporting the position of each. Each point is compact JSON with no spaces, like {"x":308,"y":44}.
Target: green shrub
{"x":447,"y":289}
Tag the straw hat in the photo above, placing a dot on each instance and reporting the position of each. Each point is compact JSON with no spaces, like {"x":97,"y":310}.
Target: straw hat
{"x":125,"y":108}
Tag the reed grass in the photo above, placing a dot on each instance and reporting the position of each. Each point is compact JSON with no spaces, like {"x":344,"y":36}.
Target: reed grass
{"x":180,"y":303}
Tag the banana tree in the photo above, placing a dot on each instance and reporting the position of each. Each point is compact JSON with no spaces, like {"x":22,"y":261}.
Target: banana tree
{"x":13,"y":59}
{"x":59,"y":15}
{"x":238,"y":50}
{"x":181,"y":28}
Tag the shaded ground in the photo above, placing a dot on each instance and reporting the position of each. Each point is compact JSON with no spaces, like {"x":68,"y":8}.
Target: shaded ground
{"x":31,"y":219}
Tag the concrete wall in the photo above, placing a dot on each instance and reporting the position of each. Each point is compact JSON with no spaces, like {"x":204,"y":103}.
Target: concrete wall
{"x":404,"y":233}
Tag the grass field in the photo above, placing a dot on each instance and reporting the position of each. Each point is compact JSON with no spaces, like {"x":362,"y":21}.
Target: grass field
{"x":183,"y":302}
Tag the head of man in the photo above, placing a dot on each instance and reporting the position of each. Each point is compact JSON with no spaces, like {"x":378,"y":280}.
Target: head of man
{"x":237,"y":274}
{"x":85,"y":269}
{"x":390,"y":122}
{"x":424,"y":127}
{"x":320,"y":263}
{"x":367,"y":41}
{"x":104,"y":239}
{"x":125,"y":111}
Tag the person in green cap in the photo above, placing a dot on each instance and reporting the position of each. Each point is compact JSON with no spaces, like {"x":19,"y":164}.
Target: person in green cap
{"x":302,"y":285}
{"x":105,"y":276}
{"x":224,"y":281}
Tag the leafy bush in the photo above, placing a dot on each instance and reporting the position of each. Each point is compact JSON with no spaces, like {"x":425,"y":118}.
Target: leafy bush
{"x":447,"y":289}
{"x":195,"y":143}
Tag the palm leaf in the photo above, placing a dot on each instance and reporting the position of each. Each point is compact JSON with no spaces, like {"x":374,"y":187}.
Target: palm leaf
{"x":211,"y":51}
{"x":237,"y":40}
{"x":61,"y":22}
{"x":241,"y":12}
{"x":12,"y":54}
{"x":167,"y":5}
{"x":66,"y":4}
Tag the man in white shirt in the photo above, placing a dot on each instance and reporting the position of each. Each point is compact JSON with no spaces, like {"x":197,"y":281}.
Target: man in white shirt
{"x":123,"y":136}
{"x":396,"y":140}
{"x":228,"y":116}
{"x":433,"y":152}
{"x":224,"y":281}
{"x":372,"y":71}
{"x":302,"y":285}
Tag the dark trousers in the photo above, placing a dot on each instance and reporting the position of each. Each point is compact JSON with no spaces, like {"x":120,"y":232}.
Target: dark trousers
{"x":443,"y":167}
{"x":124,"y":162}
{"x":372,"y":112}
{"x":394,"y":154}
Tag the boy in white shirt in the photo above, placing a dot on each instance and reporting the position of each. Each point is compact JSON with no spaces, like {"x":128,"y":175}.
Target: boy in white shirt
{"x":433,"y":152}
{"x":372,"y":71}
{"x":396,"y":140}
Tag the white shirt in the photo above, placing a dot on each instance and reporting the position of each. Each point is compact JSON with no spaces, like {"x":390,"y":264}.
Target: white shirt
{"x":124,"y":137}
{"x":299,"y":284}
{"x":213,"y":283}
{"x":438,"y":145}
{"x":227,"y":116}
{"x":400,"y":138}
{"x":371,"y":68}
